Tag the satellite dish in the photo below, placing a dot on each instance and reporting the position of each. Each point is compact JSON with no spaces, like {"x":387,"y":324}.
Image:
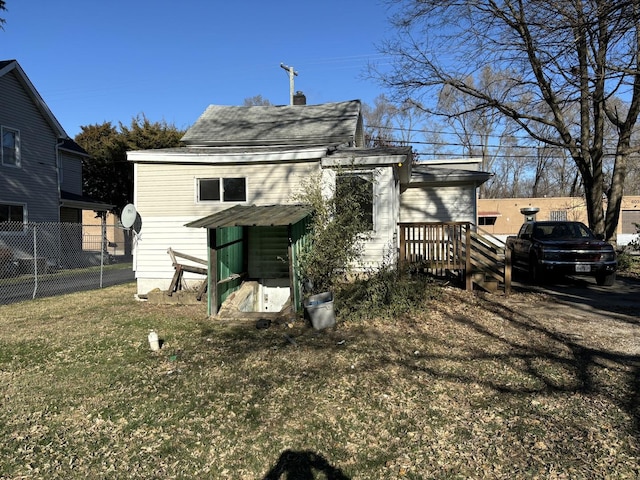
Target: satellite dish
{"x":128,"y":215}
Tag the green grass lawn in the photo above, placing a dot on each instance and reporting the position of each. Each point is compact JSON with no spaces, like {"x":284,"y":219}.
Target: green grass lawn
{"x":466,"y":387}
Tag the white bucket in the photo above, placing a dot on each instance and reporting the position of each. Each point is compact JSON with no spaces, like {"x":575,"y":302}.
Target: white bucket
{"x":154,"y":341}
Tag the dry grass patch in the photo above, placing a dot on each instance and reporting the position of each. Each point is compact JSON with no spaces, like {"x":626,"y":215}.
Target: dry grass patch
{"x":469,"y":387}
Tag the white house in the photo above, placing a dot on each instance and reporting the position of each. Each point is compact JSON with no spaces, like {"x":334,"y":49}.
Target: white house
{"x":262,"y":155}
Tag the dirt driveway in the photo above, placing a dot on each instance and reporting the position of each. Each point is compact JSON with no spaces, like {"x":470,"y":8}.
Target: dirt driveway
{"x":598,"y":317}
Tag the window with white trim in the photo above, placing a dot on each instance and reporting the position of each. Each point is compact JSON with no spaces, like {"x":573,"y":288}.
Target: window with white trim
{"x":222,"y":189}
{"x":11,"y":217}
{"x":10,"y":147}
{"x":358,"y":187}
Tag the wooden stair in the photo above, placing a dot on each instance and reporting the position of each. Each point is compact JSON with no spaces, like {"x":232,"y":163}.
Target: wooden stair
{"x":458,"y":250}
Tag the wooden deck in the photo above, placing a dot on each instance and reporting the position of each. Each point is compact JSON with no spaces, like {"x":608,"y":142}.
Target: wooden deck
{"x":455,"y":248}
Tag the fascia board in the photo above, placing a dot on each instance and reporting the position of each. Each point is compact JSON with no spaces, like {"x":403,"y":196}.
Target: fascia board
{"x":151,"y":156}
{"x":370,"y":161}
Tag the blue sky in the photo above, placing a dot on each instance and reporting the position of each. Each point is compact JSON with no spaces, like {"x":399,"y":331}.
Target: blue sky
{"x":96,"y":61}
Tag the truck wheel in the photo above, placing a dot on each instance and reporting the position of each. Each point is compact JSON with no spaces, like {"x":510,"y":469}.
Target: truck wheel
{"x":606,"y":279}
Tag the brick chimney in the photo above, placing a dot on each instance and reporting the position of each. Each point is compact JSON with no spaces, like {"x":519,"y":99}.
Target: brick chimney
{"x":299,"y":98}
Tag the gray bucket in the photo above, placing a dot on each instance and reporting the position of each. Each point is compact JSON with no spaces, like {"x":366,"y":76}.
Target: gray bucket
{"x":320,"y":310}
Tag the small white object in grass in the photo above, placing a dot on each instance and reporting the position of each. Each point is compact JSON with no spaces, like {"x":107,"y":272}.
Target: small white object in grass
{"x":154,"y":341}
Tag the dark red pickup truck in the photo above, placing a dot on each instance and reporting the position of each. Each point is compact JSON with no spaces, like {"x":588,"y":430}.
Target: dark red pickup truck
{"x":562,"y":248}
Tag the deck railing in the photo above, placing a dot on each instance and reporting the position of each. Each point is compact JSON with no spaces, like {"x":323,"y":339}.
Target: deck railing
{"x":440,"y":249}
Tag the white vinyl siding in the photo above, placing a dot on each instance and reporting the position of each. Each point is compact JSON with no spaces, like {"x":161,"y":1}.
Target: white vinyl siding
{"x":266,"y":185}
{"x":152,"y":262}
{"x":166,"y":199}
{"x":438,"y":204}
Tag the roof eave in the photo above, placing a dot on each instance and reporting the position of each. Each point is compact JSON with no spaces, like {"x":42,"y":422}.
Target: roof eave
{"x":35,"y":96}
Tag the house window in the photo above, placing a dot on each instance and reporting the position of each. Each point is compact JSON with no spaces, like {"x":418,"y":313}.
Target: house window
{"x":222,"y":190}
{"x":355,"y":191}
{"x":10,"y":147}
{"x":11,"y":217}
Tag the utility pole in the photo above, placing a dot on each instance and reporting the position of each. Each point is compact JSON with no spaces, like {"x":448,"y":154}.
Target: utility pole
{"x":292,"y":73}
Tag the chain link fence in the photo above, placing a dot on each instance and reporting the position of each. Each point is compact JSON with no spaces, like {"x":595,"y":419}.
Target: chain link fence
{"x":45,"y":259}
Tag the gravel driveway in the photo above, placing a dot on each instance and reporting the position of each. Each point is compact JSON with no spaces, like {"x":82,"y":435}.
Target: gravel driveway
{"x":599,"y":317}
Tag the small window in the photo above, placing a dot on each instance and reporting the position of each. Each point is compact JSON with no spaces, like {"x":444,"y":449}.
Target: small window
{"x":10,"y":147}
{"x":558,"y":215}
{"x":11,"y":218}
{"x":209,"y":190}
{"x":222,"y":190}
{"x":358,"y":189}
{"x":487,"y":221}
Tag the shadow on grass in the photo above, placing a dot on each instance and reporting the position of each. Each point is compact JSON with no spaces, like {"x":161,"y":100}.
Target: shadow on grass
{"x":303,"y":465}
{"x":558,"y":350}
{"x":481,"y":340}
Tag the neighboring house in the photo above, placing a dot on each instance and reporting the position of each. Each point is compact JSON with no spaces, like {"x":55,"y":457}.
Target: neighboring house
{"x":40,"y":167}
{"x":502,"y":217}
{"x":263,"y":155}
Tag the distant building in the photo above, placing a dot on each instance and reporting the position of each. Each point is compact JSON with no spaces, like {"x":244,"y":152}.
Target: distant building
{"x":502,"y":216}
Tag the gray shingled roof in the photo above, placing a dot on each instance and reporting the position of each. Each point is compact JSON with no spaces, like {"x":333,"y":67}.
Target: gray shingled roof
{"x":326,"y":124}
{"x":436,"y":174}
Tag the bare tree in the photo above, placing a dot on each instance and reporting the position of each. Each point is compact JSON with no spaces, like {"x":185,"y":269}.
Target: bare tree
{"x":378,"y":118}
{"x":256,"y":101}
{"x":387,"y":123}
{"x":2,"y":20}
{"x":483,"y":132}
{"x":562,"y":54}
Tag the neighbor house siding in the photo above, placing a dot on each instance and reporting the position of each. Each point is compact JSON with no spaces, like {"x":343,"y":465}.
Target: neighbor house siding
{"x":165,"y":197}
{"x":35,"y":182}
{"x":71,"y":174}
{"x":438,"y":204}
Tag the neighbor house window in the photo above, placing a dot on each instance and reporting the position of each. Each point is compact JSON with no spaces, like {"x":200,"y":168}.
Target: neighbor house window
{"x":222,"y":189}
{"x":11,"y":217}
{"x":355,"y":191}
{"x":10,"y":147}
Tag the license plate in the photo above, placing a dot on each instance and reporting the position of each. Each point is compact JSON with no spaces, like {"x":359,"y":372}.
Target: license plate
{"x":583,"y":268}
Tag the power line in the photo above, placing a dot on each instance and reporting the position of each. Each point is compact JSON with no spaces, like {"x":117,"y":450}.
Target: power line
{"x":451,"y":133}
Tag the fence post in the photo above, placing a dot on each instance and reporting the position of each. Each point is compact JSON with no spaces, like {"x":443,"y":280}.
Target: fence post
{"x":403,"y":246}
{"x":35,"y":262}
{"x":103,"y":246}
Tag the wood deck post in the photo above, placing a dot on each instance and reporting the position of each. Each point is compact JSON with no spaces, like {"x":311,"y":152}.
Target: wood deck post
{"x":468,"y":275}
{"x":508,"y":261}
